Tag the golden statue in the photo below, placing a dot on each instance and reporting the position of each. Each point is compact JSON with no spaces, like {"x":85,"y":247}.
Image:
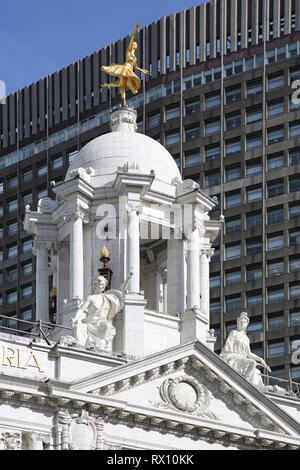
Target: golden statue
{"x":125,"y":72}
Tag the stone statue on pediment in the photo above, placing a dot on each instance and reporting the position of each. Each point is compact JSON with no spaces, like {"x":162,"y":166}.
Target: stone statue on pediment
{"x":92,"y":324}
{"x":238,"y":355}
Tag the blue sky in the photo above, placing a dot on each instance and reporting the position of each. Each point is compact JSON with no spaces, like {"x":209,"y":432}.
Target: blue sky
{"x":40,"y":36}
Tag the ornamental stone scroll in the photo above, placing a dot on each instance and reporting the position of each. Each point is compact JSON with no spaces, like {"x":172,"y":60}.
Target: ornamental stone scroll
{"x":80,"y":432}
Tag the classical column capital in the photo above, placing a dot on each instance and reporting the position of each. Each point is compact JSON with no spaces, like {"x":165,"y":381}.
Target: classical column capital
{"x":40,"y":244}
{"x":79,"y":213}
{"x":134,"y":206}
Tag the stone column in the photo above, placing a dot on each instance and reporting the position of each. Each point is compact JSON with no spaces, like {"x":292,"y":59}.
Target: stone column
{"x":42,"y":280}
{"x":35,"y":441}
{"x":63,"y":275}
{"x":76,"y":256}
{"x":159,"y":292}
{"x":133,"y":249}
{"x":193,"y":281}
{"x":175,"y":276}
{"x":204,"y":281}
{"x":165,"y":292}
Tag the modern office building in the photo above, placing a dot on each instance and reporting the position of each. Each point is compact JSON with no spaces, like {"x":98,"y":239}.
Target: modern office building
{"x":218,"y":97}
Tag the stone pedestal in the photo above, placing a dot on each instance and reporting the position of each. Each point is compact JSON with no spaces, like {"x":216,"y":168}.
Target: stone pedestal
{"x":42,"y":281}
{"x":194,"y":326}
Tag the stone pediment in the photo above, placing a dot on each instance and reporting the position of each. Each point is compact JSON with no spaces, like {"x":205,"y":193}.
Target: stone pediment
{"x":192,"y":387}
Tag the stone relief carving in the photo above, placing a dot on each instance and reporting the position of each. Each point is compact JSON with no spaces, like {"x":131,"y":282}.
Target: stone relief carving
{"x":46,"y":205}
{"x":186,"y":186}
{"x":238,"y":355}
{"x":10,"y":440}
{"x":184,"y":393}
{"x":92,"y":324}
{"x":80,"y":432}
{"x":83,"y":173}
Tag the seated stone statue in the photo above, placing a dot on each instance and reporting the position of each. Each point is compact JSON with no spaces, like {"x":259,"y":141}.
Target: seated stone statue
{"x":92,"y":324}
{"x":238,"y":355}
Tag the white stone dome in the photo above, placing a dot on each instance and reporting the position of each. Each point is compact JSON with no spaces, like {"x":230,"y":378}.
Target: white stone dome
{"x":124,"y":148}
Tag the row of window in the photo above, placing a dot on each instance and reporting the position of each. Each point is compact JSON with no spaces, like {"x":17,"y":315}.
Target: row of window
{"x":26,"y":314}
{"x":255,"y":272}
{"x":12,"y":250}
{"x":12,"y":296}
{"x":11,"y":273}
{"x":255,"y":298}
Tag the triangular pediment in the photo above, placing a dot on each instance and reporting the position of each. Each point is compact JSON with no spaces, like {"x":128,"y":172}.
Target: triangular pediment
{"x":190,"y":384}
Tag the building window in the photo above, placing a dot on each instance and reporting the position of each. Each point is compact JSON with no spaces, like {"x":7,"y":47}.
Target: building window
{"x":26,"y":291}
{"x":212,"y":101}
{"x":253,"y":142}
{"x":12,"y":228}
{"x":295,"y":373}
{"x":216,"y":256}
{"x":27,"y":246}
{"x":254,"y":220}
{"x":12,"y":182}
{"x":42,"y":193}
{"x":215,"y":308}
{"x":275,"y":322}
{"x":172,"y":113}
{"x":294,"y":183}
{"x":254,"y":273}
{"x":294,"y":130}
{"x":275,"y":215}
{"x":230,"y":327}
{"x":253,"y":168}
{"x":254,"y":89}
{"x":153,"y":121}
{"x":254,"y":194}
{"x":27,"y":176}
{"x":255,"y":327}
{"x":27,"y":269}
{"x":27,"y":199}
{"x":294,"y":237}
{"x":254,"y":115}
{"x":233,"y":173}
{"x":276,"y":82}
{"x":192,"y":107}
{"x":27,"y":314}
{"x":275,"y":188}
{"x":275,"y":268}
{"x":12,"y":206}
{"x":233,"y":251}
{"x":212,"y":153}
{"x":275,"y":109}
{"x":233,"y":95}
{"x":276,"y":349}
{"x":277,"y":373}
{"x":1,"y":233}
{"x":233,"y":199}
{"x":11,"y":274}
{"x":294,"y":291}
{"x":192,"y":134}
{"x":275,"y":135}
{"x":57,"y":163}
{"x":233,"y":147}
{"x":192,"y":158}
{"x":11,"y":297}
{"x":72,"y":155}
{"x":233,"y":225}
{"x":275,"y":242}
{"x":254,"y":299}
{"x":275,"y":163}
{"x":294,"y":157}
{"x":12,"y":251}
{"x":212,"y":179}
{"x":172,"y":139}
{"x":42,"y":170}
{"x":177,"y":160}
{"x":294,"y":264}
{"x":1,"y":187}
{"x":295,"y":318}
{"x":233,"y":277}
{"x":212,"y":127}
{"x":294,"y":210}
{"x":254,"y":246}
{"x":214,"y":281}
{"x":275,"y":295}
{"x":233,"y":303}
{"x":233,"y":121}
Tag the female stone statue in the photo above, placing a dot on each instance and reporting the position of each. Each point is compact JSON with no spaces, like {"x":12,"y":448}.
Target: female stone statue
{"x":92,"y":324}
{"x":125,"y":72}
{"x":238,"y":355}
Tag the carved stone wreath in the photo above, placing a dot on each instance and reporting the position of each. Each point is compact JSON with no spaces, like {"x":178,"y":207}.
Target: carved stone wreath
{"x":185,"y":394}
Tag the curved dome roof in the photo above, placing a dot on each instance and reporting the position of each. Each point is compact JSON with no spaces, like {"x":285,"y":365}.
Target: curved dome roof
{"x":122,"y":148}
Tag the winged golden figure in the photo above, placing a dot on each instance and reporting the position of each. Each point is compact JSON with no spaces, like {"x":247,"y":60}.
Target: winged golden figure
{"x":125,"y":72}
